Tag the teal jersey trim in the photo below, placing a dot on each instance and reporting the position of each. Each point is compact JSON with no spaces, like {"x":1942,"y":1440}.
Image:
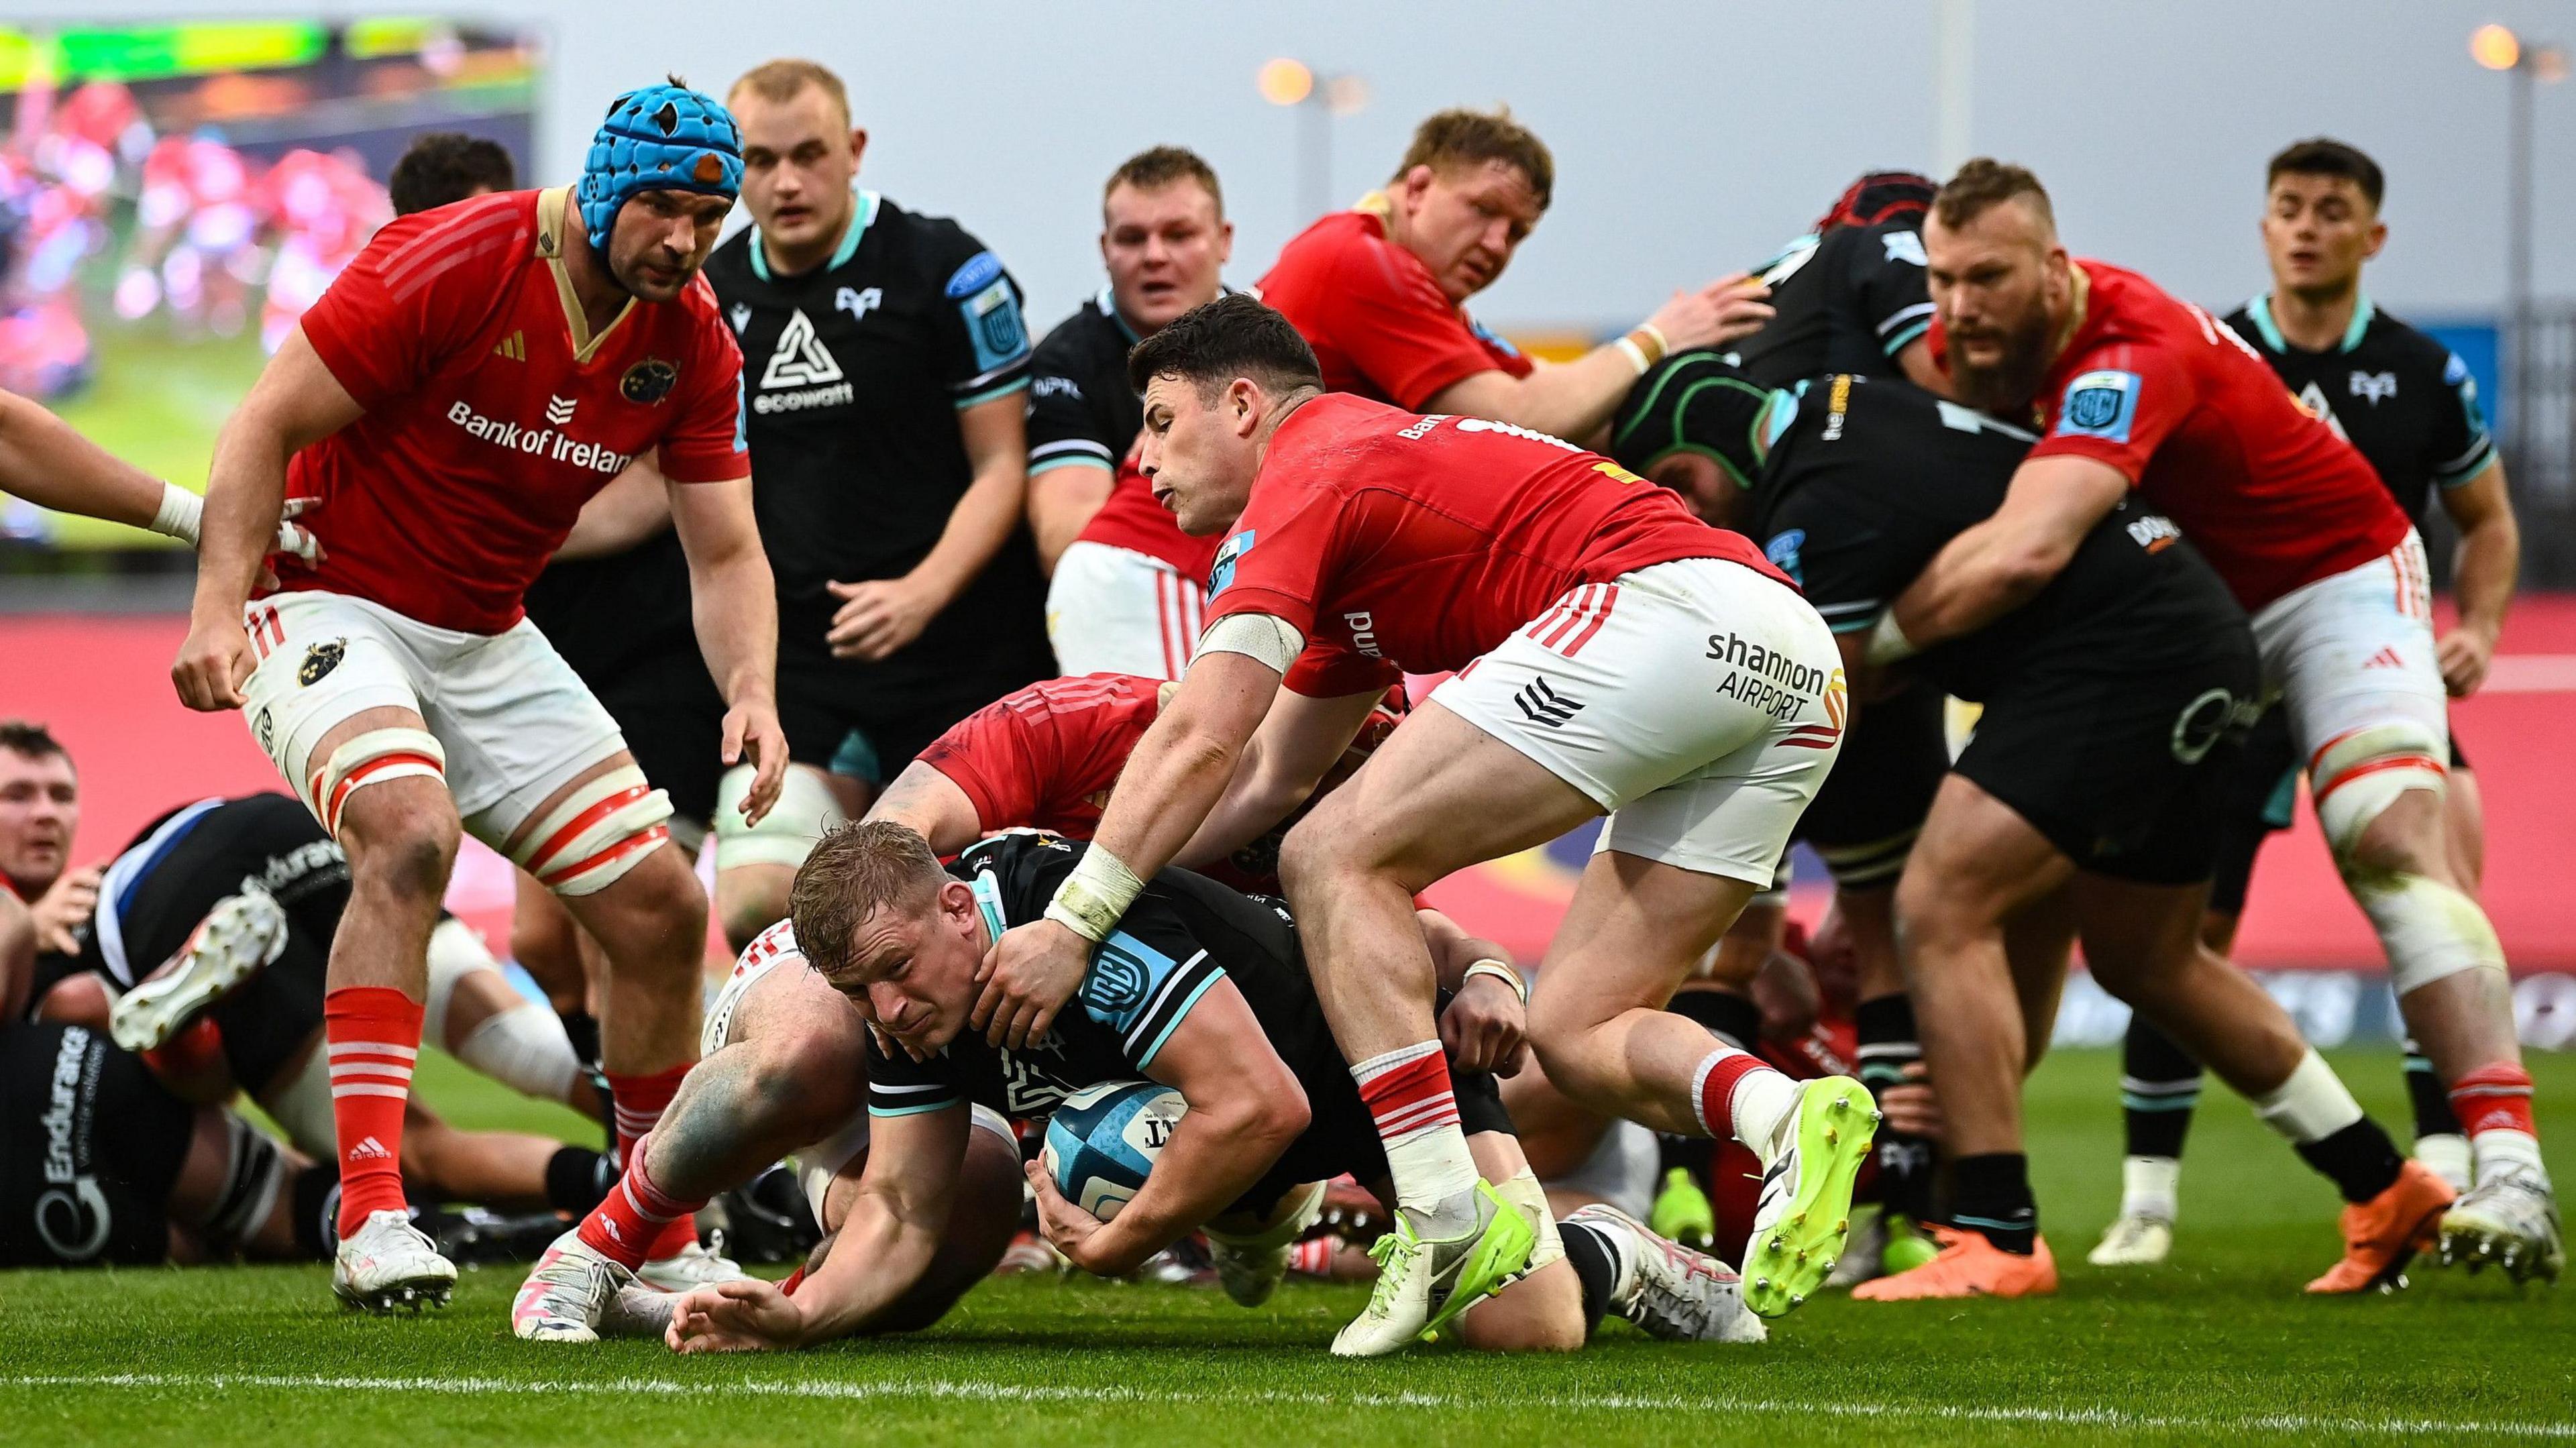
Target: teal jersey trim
{"x":1180,"y":1013}
{"x":865,"y":216}
{"x":2260,"y":309}
{"x":1005,"y":390}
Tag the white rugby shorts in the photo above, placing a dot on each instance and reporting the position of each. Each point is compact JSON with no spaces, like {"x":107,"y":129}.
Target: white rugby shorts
{"x":1698,"y":702}
{"x":2354,"y":651}
{"x":1113,"y":610}
{"x":515,"y":721}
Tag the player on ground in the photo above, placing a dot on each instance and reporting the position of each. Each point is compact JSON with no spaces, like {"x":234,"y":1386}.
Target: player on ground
{"x":2135,"y":390}
{"x":1617,"y":657}
{"x":1129,"y":588}
{"x":2411,"y":408}
{"x":458,"y":394}
{"x":1380,"y":291}
{"x":886,"y":366}
{"x":1043,"y":757}
{"x":1220,"y":1007}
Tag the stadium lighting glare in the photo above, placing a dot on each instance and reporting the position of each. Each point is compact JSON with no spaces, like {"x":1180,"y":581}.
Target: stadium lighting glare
{"x":1346,"y":95}
{"x":2495,"y":47}
{"x":1285,"y":82}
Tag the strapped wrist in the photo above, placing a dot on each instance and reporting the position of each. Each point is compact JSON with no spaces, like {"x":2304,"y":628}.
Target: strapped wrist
{"x":1093,"y":898}
{"x":1501,"y":971}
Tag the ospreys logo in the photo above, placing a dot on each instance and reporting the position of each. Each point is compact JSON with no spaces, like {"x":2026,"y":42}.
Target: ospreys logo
{"x":649,"y":381}
{"x":320,"y":660}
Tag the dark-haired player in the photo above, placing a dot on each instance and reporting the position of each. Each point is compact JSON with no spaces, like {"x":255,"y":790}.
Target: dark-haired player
{"x":2135,"y":390}
{"x":441,"y":168}
{"x":1848,"y":296}
{"x":1615,"y":655}
{"x":2410,"y":406}
{"x":1129,"y":588}
{"x":1380,"y":291}
{"x":1214,"y":1001}
{"x":463,"y":388}
{"x":885,"y":373}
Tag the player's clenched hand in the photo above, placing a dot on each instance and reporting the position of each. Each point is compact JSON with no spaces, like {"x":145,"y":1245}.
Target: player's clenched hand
{"x":880,"y":616}
{"x":744,"y":1315}
{"x":1027,"y":977}
{"x":1910,"y":1105}
{"x":1716,"y":314}
{"x":58,"y":912}
{"x":1075,"y":1232}
{"x":2465,"y":655}
{"x":213,"y":664}
{"x":1485,"y":1028}
{"x":751,"y":732}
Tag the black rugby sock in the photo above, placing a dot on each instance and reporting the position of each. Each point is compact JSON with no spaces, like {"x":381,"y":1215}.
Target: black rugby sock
{"x":1596,"y":1265}
{"x":2433,"y":1114}
{"x":1888,"y":1045}
{"x":315,"y":1199}
{"x":2159,"y":1089}
{"x":1994,"y":1199}
{"x":2360,"y":1159}
{"x":582,"y":1029}
{"x":1734,"y":1018}
{"x":577,"y":1179}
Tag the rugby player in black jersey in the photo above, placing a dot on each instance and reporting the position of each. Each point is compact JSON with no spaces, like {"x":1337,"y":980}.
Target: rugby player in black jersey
{"x":2106,"y":696}
{"x":2410,"y":406}
{"x":885,"y":362}
{"x":1848,"y":296}
{"x":1128,"y":588}
{"x":1212,"y":998}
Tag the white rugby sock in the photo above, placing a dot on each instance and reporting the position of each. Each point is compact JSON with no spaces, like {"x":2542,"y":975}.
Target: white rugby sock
{"x":2505,"y":1151}
{"x":1407,"y":1094}
{"x":2312,"y":1105}
{"x":2149,"y":1186}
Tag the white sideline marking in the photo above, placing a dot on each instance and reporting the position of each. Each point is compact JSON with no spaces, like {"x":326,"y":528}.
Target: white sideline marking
{"x":1437,"y":1402}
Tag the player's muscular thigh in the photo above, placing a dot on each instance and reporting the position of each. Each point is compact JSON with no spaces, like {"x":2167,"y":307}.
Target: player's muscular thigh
{"x":1440,"y":794}
{"x":805,"y":1070}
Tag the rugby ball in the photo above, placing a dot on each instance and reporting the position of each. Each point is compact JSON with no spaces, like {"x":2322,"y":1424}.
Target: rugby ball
{"x":1102,"y":1142}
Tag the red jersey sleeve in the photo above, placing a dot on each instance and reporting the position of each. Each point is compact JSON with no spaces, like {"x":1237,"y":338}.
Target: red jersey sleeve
{"x":1276,"y":560}
{"x":1329,"y":671}
{"x":2121,"y":400}
{"x":707,"y":442}
{"x":419,"y":291}
{"x":992,"y":755}
{"x":1398,"y":328}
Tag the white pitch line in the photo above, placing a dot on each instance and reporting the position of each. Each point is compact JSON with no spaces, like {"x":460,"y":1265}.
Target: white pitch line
{"x":938,"y":1388}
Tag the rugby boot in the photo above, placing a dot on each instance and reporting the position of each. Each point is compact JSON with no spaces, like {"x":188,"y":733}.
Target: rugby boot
{"x":1968,"y":1266}
{"x":2382,"y":1235}
{"x":2512,"y":1222}
{"x":2135,"y":1240}
{"x":1672,"y":1292}
{"x":1803,"y":1217}
{"x":566,"y":1294}
{"x":1249,"y":1266}
{"x":239,"y":936}
{"x":691,"y":1266}
{"x":389,"y":1264}
{"x":1422,"y":1284}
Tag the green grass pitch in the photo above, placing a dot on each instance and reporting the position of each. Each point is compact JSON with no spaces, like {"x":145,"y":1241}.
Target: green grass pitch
{"x":2217,"y":1347}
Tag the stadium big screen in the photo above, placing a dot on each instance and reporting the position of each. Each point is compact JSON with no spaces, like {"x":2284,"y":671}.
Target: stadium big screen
{"x":174,"y":195}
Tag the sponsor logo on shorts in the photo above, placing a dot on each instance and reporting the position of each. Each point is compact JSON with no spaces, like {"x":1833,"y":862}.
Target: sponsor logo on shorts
{"x":1542,"y":705}
{"x":263,"y":728}
{"x":72,"y":1214}
{"x":319,"y":661}
{"x":649,"y":381}
{"x":2201,"y":724}
{"x":2154,"y":532}
{"x":2101,"y":403}
{"x":1764,"y":678}
{"x":545,"y":442}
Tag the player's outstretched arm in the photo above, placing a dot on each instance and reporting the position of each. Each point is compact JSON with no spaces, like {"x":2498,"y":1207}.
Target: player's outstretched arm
{"x":2003,"y":562}
{"x":295,"y":404}
{"x":2482,"y":576}
{"x":883,"y":1247}
{"x":1574,"y":400}
{"x":879,"y":616}
{"x":1171,"y":781}
{"x":1245,"y":1109}
{"x":46,"y":462}
{"x":1299,"y":741}
{"x":733,"y":601}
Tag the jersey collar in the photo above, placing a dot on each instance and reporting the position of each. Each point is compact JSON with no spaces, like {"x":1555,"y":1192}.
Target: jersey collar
{"x":866,"y":213}
{"x":988,"y":899}
{"x":1107,"y":302}
{"x":2260,"y":310}
{"x":553,"y":219}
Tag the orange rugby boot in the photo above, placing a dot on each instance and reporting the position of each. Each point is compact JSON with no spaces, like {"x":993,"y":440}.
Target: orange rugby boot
{"x":1968,"y":1266}
{"x":2382,"y":1235}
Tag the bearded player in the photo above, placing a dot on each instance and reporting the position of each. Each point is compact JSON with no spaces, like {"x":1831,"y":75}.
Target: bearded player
{"x":476,"y":375}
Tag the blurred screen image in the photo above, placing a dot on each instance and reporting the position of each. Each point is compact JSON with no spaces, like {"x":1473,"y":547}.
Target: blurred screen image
{"x":173,"y":196}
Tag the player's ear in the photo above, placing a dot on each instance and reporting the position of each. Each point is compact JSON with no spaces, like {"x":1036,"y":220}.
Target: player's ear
{"x":2378,"y":239}
{"x":858,"y":145}
{"x":1417,"y":182}
{"x":1224,"y":242}
{"x":1244,"y":403}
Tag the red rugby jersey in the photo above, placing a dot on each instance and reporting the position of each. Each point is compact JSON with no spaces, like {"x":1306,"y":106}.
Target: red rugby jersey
{"x":1378,"y":321}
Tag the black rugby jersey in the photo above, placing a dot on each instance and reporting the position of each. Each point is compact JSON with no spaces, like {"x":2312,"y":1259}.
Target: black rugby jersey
{"x":154,"y":894}
{"x":1847,"y":301}
{"x":1866,"y":480}
{"x":1081,"y":409}
{"x":2404,"y":400}
{"x":853,"y":376}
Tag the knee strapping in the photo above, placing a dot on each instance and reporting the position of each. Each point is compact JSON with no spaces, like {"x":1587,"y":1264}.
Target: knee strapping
{"x":2361,"y":772}
{"x":2428,"y":929}
{"x":371,"y":758}
{"x":601,"y":830}
{"x":255,"y":1170}
{"x":805,"y":810}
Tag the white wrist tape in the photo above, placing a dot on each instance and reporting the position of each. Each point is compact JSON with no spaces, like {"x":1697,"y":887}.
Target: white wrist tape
{"x":1267,"y":637}
{"x":1635,"y":354}
{"x":1501,"y":972}
{"x":1095,"y":896}
{"x":1888,"y":643}
{"x":181,"y":512}
{"x":1663,"y":344}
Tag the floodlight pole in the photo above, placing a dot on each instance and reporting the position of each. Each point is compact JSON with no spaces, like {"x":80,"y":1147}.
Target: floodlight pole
{"x":1953,"y":75}
{"x":2517,"y":264}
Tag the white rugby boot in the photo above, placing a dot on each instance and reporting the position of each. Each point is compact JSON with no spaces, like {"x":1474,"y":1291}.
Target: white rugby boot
{"x":1671,"y":1291}
{"x":239,"y":936}
{"x":691,"y":1266}
{"x":1422,"y":1284}
{"x":2511,"y":1221}
{"x":2137,"y":1239}
{"x":566,"y":1293}
{"x":1249,"y":1267}
{"x":389,"y":1264}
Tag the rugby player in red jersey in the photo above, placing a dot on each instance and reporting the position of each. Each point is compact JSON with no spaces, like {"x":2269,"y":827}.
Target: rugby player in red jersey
{"x":1615,"y":655}
{"x":1380,"y":291}
{"x":474,"y":376}
{"x":2134,"y":389}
